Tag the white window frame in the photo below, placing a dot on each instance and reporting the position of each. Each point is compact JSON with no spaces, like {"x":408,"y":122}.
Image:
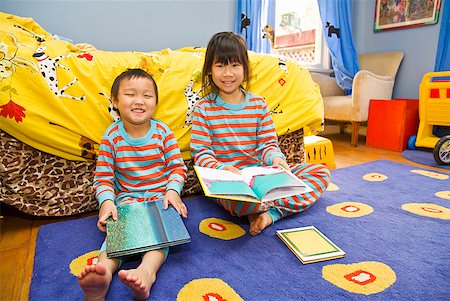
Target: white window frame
{"x":325,"y":60}
{"x":324,"y":64}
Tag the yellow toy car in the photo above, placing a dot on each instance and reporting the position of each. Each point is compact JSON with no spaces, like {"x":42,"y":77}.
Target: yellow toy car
{"x":434,"y":115}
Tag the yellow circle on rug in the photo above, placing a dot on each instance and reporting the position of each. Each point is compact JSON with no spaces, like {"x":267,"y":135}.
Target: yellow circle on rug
{"x":207,"y":289}
{"x":78,"y":264}
{"x":367,"y":277}
{"x":220,"y":228}
{"x":431,"y":174}
{"x":374,"y":177}
{"x":443,"y":194}
{"x":428,"y":209}
{"x":350,"y":209}
{"x":332,"y":187}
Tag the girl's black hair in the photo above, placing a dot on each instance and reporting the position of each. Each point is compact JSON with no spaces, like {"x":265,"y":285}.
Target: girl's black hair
{"x":129,"y":74}
{"x":225,"y":48}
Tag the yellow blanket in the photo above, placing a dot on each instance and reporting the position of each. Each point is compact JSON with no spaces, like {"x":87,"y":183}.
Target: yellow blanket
{"x":54,"y":96}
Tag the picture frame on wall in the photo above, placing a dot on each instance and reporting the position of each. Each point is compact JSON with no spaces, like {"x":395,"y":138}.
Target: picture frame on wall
{"x":399,"y":14}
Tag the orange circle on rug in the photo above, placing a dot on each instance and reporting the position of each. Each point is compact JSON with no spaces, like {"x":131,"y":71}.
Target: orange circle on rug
{"x":374,"y":177}
{"x":332,"y":187}
{"x":350,"y":209}
{"x":220,"y":228}
{"x":78,"y":264}
{"x":443,"y":194}
{"x":207,"y":289}
{"x":428,"y":210}
{"x":367,"y":277}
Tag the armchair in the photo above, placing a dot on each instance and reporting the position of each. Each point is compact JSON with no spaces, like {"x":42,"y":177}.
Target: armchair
{"x":375,"y":80}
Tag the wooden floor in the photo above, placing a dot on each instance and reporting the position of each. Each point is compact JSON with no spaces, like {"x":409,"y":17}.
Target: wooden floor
{"x":18,"y":231}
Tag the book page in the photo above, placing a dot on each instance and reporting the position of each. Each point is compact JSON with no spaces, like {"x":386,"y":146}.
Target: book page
{"x":250,"y":172}
{"x":230,"y":188}
{"x":217,"y":174}
{"x":247,"y":174}
{"x":270,"y":183}
{"x":225,"y":184}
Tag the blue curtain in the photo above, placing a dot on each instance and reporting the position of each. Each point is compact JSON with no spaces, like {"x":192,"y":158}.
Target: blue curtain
{"x":252,"y":16}
{"x":443,"y":49}
{"x":337,"y":30}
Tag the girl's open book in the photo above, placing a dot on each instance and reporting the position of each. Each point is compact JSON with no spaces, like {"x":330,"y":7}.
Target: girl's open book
{"x":254,"y":184}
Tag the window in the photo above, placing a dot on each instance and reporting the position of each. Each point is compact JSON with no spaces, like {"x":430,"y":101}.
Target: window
{"x":298,"y":33}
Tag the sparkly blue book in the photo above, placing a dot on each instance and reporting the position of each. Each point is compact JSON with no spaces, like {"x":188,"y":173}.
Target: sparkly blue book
{"x":142,"y":227}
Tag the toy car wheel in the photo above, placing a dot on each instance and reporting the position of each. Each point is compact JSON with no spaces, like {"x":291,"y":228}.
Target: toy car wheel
{"x":412,"y":142}
{"x":441,"y":151}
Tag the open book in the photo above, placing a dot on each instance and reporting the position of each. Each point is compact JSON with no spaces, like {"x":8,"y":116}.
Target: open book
{"x":254,"y":184}
{"x":309,"y":244}
{"x":142,"y":227}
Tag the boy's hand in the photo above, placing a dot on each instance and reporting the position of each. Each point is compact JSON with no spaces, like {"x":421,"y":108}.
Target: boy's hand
{"x":172,"y":197}
{"x":277,"y":161}
{"x":232,"y":169}
{"x":107,"y":209}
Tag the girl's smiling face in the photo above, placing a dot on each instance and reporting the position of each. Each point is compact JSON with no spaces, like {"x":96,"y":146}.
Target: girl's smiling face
{"x":228,"y":78}
{"x":136,"y":102}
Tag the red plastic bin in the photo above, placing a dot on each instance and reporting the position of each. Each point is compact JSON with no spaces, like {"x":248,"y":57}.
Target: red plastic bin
{"x":391,"y":123}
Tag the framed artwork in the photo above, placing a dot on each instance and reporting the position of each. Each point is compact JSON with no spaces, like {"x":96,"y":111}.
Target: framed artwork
{"x":398,"y":14}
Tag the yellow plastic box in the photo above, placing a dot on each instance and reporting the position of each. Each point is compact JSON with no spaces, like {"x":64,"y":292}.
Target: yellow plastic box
{"x":319,"y":150}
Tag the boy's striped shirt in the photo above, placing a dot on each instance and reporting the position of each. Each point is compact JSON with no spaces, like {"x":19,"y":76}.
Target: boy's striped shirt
{"x":138,"y":169}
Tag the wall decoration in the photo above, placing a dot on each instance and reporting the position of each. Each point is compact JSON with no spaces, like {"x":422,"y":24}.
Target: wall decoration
{"x":398,"y":14}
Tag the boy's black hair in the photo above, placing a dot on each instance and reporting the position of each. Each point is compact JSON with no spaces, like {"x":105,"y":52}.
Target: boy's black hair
{"x":225,"y":48}
{"x":129,"y":74}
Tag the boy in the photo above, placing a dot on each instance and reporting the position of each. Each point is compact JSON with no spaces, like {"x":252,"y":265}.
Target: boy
{"x":139,"y":161}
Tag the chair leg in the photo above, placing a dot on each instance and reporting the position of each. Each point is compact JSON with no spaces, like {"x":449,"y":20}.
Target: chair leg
{"x":341,"y":127}
{"x":355,"y":133}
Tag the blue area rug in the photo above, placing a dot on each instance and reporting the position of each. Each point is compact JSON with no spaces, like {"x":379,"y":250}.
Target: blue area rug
{"x":392,"y":223}
{"x":422,"y":157}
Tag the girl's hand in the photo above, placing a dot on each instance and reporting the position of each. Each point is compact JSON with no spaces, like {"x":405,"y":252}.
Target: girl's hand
{"x":232,"y":169}
{"x":174,"y":199}
{"x":107,"y":209}
{"x":277,"y":161}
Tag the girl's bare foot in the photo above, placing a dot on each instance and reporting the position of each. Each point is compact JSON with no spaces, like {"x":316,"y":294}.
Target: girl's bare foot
{"x":259,"y":222}
{"x":94,"y":280}
{"x":139,"y":281}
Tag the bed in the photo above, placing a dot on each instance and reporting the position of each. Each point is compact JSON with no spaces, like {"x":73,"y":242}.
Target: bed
{"x":55,"y":106}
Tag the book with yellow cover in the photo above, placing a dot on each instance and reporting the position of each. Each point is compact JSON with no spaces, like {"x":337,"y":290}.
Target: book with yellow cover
{"x":309,"y":244}
{"x":254,"y":184}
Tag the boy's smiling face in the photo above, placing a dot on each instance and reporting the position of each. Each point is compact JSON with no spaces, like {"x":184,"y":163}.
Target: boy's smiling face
{"x":136,"y":102}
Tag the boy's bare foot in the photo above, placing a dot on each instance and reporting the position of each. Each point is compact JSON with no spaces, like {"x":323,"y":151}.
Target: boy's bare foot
{"x":259,"y":222}
{"x":139,"y":281}
{"x":94,"y":281}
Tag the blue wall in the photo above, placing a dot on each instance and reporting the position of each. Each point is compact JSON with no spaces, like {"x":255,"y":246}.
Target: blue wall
{"x":150,"y":25}
{"x":146,"y":25}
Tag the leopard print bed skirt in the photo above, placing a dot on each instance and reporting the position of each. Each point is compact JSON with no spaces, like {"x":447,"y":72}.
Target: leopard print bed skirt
{"x":41,"y":184}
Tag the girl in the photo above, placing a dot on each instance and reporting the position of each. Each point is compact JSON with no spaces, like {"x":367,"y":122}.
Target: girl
{"x":233,"y":129}
{"x":139,"y":160}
